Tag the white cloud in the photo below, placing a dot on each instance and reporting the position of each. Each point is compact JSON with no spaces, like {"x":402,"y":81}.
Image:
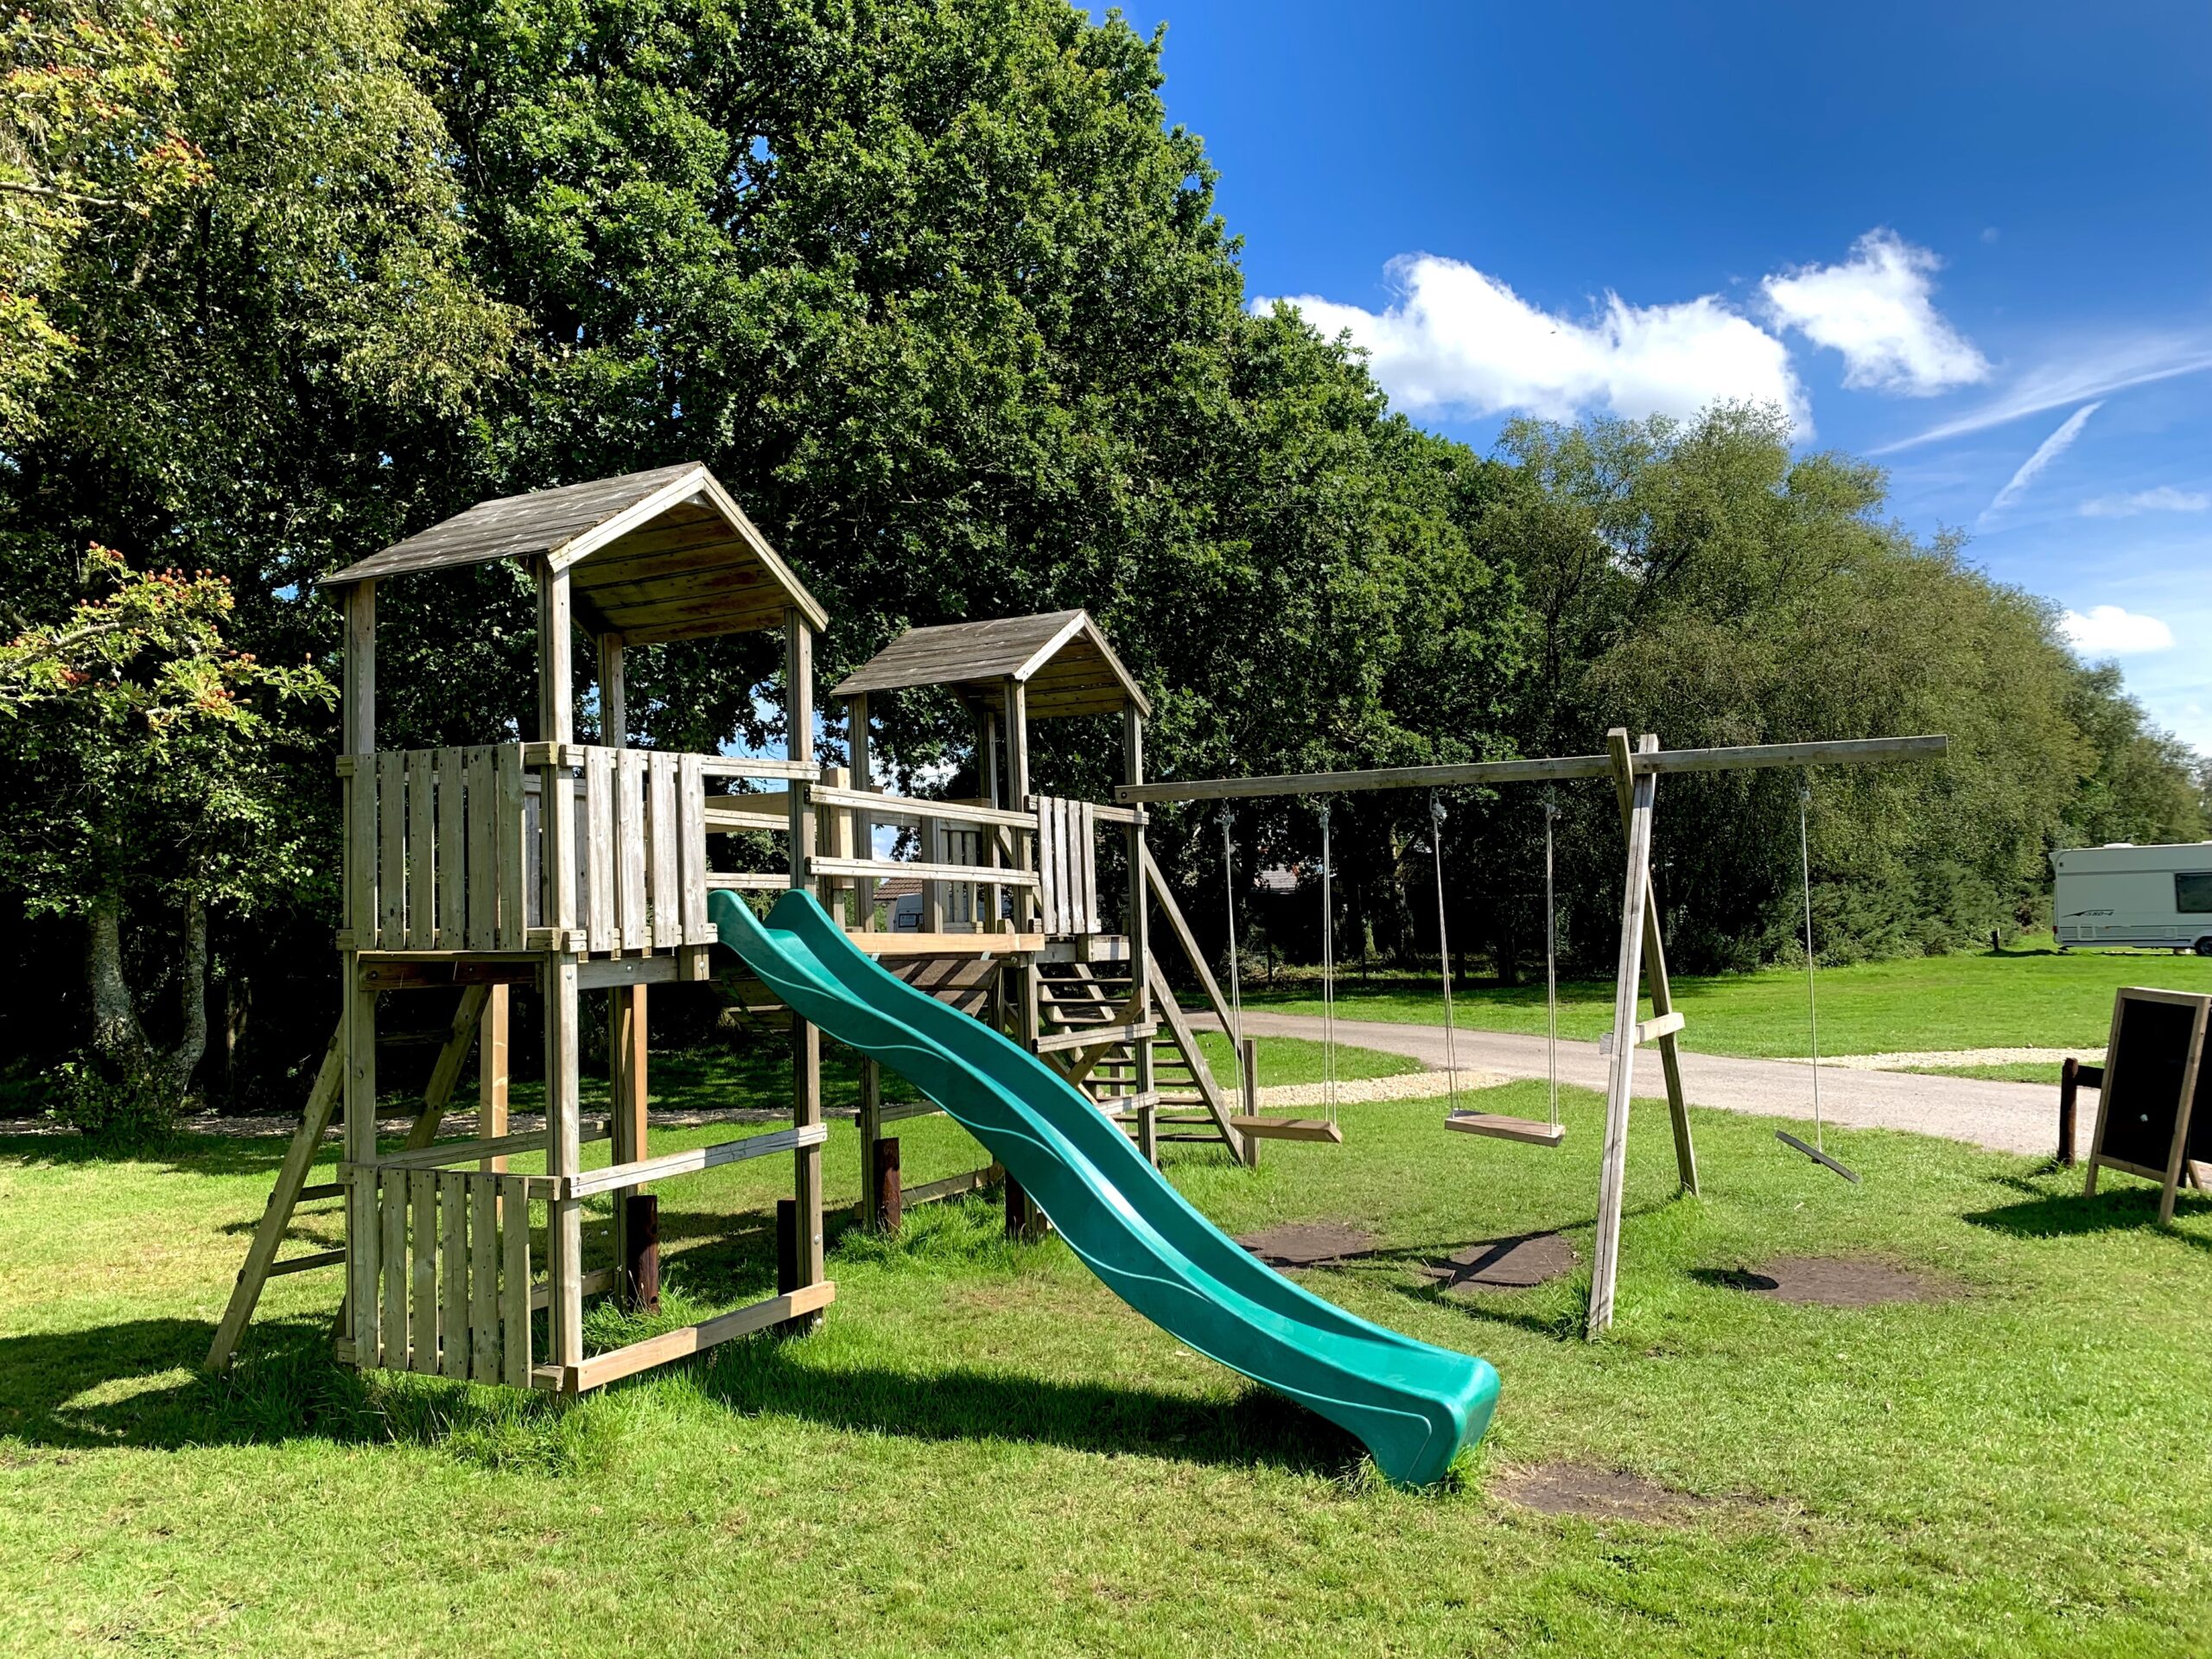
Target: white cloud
{"x":2108,"y":631}
{"x":2113,"y":366}
{"x":1460,"y":340}
{"x":1876,"y":309}
{"x":2164,"y":499}
{"x":2046,"y":451}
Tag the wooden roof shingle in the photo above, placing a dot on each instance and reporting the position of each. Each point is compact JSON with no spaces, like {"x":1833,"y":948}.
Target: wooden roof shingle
{"x":652,"y":555}
{"x":1060,"y":656}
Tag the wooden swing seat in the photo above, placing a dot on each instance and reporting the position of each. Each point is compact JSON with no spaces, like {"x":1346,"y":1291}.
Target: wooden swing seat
{"x":1526,"y":1129}
{"x":1288,"y":1129}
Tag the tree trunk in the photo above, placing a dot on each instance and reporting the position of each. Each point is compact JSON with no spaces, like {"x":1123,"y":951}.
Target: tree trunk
{"x":115,"y":1031}
{"x":117,"y":1034}
{"x":180,"y":1062}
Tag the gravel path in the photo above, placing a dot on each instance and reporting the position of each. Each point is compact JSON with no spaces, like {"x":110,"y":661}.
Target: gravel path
{"x":1907,"y":1058}
{"x":2018,"y":1117}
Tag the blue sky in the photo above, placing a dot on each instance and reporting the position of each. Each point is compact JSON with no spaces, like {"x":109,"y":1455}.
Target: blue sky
{"x":1973,"y":241}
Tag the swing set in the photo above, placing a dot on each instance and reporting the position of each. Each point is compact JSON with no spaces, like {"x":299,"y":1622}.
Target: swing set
{"x":1635,"y":770}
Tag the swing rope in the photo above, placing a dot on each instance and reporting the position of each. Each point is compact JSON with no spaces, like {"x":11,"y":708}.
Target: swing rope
{"x":1328,"y":976}
{"x":1551,"y":961}
{"x":1818,"y":1151}
{"x":1444,"y":952}
{"x":1812,"y":995}
{"x":1235,"y":975}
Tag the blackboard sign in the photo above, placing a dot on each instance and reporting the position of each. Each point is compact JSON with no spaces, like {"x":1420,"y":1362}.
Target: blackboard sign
{"x":2154,"y":1113}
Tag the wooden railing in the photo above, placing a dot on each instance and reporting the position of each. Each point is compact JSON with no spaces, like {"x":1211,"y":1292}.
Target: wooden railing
{"x":450,"y":1256}
{"x":459,"y":856}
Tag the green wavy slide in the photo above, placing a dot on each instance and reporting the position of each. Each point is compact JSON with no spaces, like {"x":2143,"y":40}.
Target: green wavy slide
{"x":1414,"y":1405}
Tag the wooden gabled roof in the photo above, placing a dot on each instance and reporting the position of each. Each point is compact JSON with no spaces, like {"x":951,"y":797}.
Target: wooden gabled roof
{"x":664,"y":555}
{"x":1060,"y":656}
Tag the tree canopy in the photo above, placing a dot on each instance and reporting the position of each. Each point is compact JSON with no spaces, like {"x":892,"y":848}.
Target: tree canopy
{"x":940,"y":296}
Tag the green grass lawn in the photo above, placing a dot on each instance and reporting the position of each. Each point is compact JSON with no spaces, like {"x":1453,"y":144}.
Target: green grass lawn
{"x":983,"y":1451}
{"x":2027,"y":996}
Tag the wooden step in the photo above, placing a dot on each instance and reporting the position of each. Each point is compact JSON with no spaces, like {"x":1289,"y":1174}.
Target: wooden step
{"x":1528,"y":1130}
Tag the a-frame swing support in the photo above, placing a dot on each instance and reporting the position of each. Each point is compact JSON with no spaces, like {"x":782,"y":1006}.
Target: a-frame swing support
{"x":1636,"y":772}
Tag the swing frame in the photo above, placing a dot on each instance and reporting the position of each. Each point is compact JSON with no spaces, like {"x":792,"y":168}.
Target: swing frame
{"x":1635,"y":770}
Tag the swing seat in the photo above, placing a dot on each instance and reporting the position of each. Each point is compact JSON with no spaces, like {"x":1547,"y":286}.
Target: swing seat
{"x":1502,"y":1128}
{"x":1288,"y":1129}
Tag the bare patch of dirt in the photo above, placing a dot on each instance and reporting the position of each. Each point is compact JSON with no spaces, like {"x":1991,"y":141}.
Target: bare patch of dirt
{"x":1517,"y":1262}
{"x":1603,"y":1494}
{"x":1834,"y":1281}
{"x":1309,"y":1244}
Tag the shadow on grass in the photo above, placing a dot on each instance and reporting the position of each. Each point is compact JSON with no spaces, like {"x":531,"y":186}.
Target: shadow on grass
{"x":1257,"y":1427}
{"x":2065,"y":1215}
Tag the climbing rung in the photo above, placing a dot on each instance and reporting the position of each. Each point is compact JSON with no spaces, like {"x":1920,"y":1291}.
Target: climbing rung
{"x":1287,"y":1128}
{"x":1526,"y":1129}
{"x":1090,"y":1037}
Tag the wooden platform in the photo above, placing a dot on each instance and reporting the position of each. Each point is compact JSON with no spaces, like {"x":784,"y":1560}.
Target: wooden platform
{"x":1497,"y":1124}
{"x":1264,"y":1128}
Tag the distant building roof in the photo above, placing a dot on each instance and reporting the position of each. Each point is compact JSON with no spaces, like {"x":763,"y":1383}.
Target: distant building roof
{"x":664,"y":555}
{"x":1060,"y":656}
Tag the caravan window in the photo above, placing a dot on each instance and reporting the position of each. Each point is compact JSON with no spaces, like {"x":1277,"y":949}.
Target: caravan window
{"x":2193,"y":892}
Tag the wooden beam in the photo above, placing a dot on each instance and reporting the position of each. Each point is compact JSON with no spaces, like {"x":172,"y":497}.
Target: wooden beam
{"x":616,"y":1177}
{"x":1553,"y":769}
{"x":602,"y":1369}
{"x":1613,"y":1165}
{"x":806,"y":1040}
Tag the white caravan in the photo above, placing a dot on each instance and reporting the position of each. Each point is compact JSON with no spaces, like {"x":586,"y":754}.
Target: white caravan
{"x":2160,"y":897}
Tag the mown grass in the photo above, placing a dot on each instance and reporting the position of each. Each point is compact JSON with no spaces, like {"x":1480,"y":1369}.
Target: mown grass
{"x":2027,"y":996}
{"x":983,"y":1451}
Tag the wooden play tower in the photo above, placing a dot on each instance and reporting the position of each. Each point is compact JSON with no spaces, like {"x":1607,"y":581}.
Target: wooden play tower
{"x":567,"y":870}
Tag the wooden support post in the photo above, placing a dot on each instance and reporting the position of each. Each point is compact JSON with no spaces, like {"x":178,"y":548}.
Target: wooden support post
{"x":1662,"y":996}
{"x":806,"y":1041}
{"x":613,"y":701}
{"x":1017,"y":788}
{"x":2069,"y":1087}
{"x":626,"y":1099}
{"x":563,"y":1123}
{"x":492,"y":1065}
{"x":359,"y":1008}
{"x":870,"y":1125}
{"x":883,"y":1194}
{"x":860,"y":762}
{"x":1613,"y":1168}
{"x":1137,"y":923}
{"x":640,"y":1287}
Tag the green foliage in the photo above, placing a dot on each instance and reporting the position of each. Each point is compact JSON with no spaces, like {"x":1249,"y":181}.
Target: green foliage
{"x":119,"y":1109}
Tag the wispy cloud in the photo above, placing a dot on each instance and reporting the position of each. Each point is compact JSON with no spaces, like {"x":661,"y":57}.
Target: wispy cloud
{"x":2111,"y":631}
{"x":2164,"y":499}
{"x":2112,"y":367}
{"x":2046,"y":451}
{"x":1877,"y":308}
{"x":1460,"y":340}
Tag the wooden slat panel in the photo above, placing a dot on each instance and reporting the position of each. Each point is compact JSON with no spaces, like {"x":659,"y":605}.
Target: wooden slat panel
{"x":422,"y":852}
{"x":392,"y":1222}
{"x":514,"y":1269}
{"x":362,"y":1274}
{"x":483,"y":1277}
{"x":666,"y":901}
{"x":533,"y":848}
{"x":599,"y":848}
{"x":482,"y":809}
{"x":452,"y":916}
{"x":691,"y":808}
{"x":1085,"y":855}
{"x":391,"y":849}
{"x":452,"y":1279}
{"x":1048,"y":885}
{"x":423,"y":1290}
{"x":630,"y":846}
{"x":1070,"y":901}
{"x":514,"y":925}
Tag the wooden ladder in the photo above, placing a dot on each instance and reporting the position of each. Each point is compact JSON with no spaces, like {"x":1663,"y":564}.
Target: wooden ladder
{"x":292,"y":1188}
